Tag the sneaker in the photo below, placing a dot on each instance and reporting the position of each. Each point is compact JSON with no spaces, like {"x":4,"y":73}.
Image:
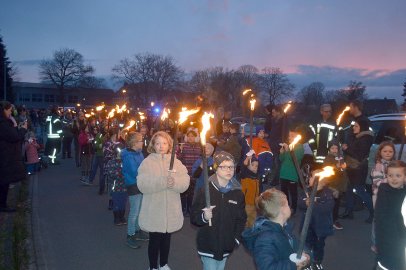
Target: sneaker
{"x":142,"y":236}
{"x":132,"y":242}
{"x":165,"y":267}
{"x":337,"y":225}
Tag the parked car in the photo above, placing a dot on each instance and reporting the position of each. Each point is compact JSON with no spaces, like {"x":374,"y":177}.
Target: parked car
{"x":245,"y":123}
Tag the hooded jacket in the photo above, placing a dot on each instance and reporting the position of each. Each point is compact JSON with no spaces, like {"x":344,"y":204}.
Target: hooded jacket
{"x":131,"y":160}
{"x":270,"y":245}
{"x":228,"y":222}
{"x":161,"y":210}
{"x":359,"y":147}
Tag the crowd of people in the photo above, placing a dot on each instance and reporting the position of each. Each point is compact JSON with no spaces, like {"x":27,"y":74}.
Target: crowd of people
{"x":256,"y":183}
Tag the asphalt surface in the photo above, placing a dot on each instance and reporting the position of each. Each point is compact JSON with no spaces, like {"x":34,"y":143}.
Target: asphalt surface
{"x":73,"y":229}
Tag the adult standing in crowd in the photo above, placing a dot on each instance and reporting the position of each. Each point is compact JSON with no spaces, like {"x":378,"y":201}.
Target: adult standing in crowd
{"x":54,"y":133}
{"x":67,"y":135}
{"x":78,"y":123}
{"x":323,"y":133}
{"x":356,"y":154}
{"x":11,"y":163}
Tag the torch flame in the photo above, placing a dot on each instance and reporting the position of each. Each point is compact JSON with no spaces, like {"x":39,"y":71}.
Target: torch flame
{"x":165,"y":114}
{"x":184,"y":114}
{"x":295,"y":141}
{"x":341,"y":115}
{"x":287,"y":107}
{"x":99,"y":108}
{"x":326,"y":172}
{"x":142,"y":117}
{"x":87,"y":115}
{"x":111,"y":113}
{"x":206,"y":126}
{"x":122,"y":109}
{"x":130,"y":125}
{"x":252,"y":102}
{"x":246,"y":91}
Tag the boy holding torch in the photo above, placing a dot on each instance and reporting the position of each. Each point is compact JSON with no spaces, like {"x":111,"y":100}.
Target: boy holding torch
{"x":215,"y":243}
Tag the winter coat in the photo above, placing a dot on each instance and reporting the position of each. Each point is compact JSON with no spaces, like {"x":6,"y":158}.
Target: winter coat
{"x":131,"y":160}
{"x":189,"y":153}
{"x":390,"y":231}
{"x":260,"y":145}
{"x":288,"y":169}
{"x":161,"y":209}
{"x":358,"y":150}
{"x":12,"y":167}
{"x":232,"y":146}
{"x":197,"y":172}
{"x":114,"y":171}
{"x":270,"y":245}
{"x":339,"y":180}
{"x":85,"y":142}
{"x":98,"y":144}
{"x":322,"y":216}
{"x":228,"y":222}
{"x":31,"y":152}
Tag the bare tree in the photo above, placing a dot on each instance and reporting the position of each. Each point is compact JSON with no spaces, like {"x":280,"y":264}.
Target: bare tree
{"x":312,"y":95}
{"x":273,"y":81}
{"x":66,"y":68}
{"x":355,"y":90}
{"x":147,"y":68}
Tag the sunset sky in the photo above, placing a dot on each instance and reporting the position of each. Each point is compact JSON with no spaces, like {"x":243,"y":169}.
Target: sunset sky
{"x":314,"y":40}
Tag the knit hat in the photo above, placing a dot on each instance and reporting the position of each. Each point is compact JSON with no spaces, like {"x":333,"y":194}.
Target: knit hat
{"x":333,"y":142}
{"x":258,"y":129}
{"x":221,"y":156}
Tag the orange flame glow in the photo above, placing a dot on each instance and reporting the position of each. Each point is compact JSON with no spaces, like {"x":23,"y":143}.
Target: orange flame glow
{"x":206,"y":126}
{"x":252,"y":102}
{"x":111,"y":113}
{"x":130,"y":125}
{"x":165,"y":114}
{"x":184,"y":114}
{"x":246,"y":91}
{"x":87,"y":115}
{"x":142,"y":117}
{"x":326,"y":172}
{"x":99,"y":108}
{"x":341,"y":115}
{"x":295,"y":141}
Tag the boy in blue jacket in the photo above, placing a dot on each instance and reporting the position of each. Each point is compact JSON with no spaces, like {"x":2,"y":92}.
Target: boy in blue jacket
{"x":321,"y":223}
{"x":131,"y":159}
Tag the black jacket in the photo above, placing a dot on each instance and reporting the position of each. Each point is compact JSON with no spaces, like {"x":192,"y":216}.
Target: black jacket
{"x":389,"y":228}
{"x":359,"y":147}
{"x":228,"y":221}
{"x":12,"y":167}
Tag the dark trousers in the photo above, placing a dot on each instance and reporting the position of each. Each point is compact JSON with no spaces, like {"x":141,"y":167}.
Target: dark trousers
{"x":316,"y":245}
{"x":336,"y":208}
{"x":360,"y":191}
{"x":186,"y":197}
{"x":119,"y":200}
{"x":66,"y":146}
{"x":77,"y":151}
{"x":3,"y":195}
{"x":159,"y":244}
{"x":290,"y":190}
{"x":97,"y":163}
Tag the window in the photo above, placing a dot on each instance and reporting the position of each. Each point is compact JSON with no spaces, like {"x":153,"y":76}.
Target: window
{"x":73,"y":99}
{"x":36,"y":98}
{"x":24,"y":97}
{"x":49,"y":98}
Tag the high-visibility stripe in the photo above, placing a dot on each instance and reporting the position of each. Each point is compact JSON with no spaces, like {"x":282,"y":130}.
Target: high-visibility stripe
{"x":327,"y":126}
{"x":53,"y":156}
{"x":53,"y":136}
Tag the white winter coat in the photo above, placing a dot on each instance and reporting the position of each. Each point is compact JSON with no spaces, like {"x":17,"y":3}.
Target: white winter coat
{"x":161,"y":209}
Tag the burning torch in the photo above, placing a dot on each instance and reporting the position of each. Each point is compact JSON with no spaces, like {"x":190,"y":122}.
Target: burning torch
{"x":284,"y":119}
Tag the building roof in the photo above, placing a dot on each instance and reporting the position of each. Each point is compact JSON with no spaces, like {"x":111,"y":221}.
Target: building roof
{"x":380,"y":106}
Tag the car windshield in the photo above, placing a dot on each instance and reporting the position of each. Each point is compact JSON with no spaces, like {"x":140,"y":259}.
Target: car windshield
{"x":388,"y":130}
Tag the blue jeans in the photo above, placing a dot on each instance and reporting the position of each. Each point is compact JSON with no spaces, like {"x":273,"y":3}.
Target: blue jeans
{"x":360,"y":191}
{"x":212,"y":264}
{"x":32,"y":168}
{"x":135,"y":207}
{"x":97,"y":163}
{"x":119,"y":200}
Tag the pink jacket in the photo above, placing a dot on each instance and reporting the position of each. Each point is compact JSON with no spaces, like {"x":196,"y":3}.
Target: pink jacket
{"x":31,"y":152}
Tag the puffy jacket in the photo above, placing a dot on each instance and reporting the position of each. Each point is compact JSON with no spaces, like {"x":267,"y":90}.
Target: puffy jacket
{"x":161,"y":209}
{"x":131,"y":160}
{"x":228,"y":222}
{"x":270,"y":245}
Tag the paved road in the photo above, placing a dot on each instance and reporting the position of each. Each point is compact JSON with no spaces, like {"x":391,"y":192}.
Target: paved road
{"x":74,"y":230}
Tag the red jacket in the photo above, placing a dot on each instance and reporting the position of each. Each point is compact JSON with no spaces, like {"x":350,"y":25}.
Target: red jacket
{"x":31,"y":152}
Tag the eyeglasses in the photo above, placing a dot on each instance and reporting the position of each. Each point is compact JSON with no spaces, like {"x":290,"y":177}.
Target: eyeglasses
{"x":224,"y":168}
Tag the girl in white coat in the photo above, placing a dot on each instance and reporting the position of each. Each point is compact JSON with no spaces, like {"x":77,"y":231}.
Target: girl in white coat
{"x":161,"y":211}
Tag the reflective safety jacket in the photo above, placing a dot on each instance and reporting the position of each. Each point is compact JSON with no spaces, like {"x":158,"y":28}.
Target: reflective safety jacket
{"x":323,"y":134}
{"x":54,"y":126}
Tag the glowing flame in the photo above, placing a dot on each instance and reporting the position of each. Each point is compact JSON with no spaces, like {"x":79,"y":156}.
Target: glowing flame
{"x":252,"y":102}
{"x":111,"y":113}
{"x":295,"y":141}
{"x":87,"y":115}
{"x":326,"y":172}
{"x":206,"y":126}
{"x":130,"y":125}
{"x":184,"y":114}
{"x":246,"y":91}
{"x":92,"y":113}
{"x":287,"y":107}
{"x":165,"y":114}
{"x":122,"y":109}
{"x":341,"y":115}
{"x":99,"y":108}
{"x":142,"y":117}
